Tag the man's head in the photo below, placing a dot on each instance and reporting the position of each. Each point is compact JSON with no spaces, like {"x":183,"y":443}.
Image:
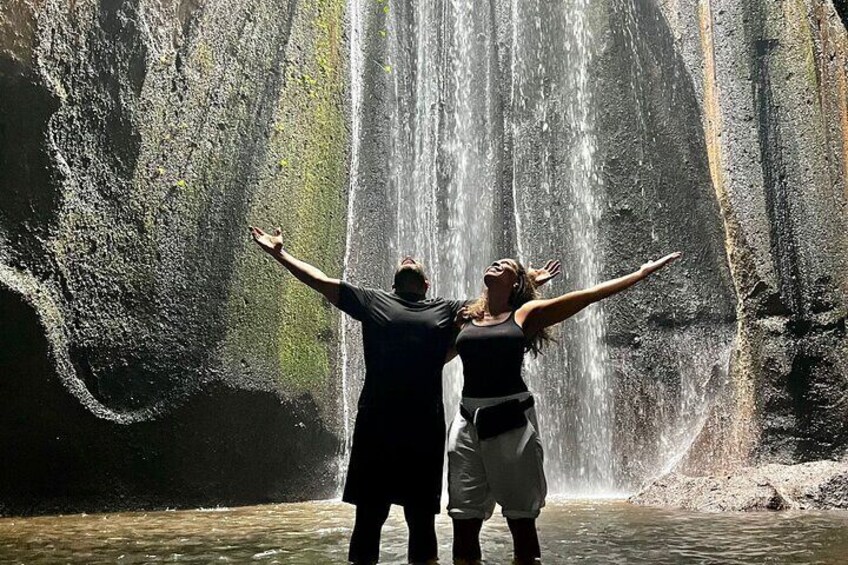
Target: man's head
{"x":410,"y":277}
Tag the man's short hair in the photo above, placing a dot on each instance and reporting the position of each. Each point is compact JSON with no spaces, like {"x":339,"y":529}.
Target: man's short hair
{"x":410,"y":277}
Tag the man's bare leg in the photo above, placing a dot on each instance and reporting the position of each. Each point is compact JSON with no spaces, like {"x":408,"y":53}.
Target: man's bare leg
{"x":365,"y":541}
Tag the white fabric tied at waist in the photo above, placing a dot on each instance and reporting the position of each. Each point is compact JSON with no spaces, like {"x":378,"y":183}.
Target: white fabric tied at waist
{"x":472,"y":404}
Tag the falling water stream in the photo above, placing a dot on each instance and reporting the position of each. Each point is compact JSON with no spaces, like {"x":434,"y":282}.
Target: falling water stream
{"x":441,"y":166}
{"x":555,"y":148}
{"x":482,"y":143}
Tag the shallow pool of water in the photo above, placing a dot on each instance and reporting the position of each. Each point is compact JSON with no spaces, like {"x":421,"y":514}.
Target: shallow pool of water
{"x":317,"y":533}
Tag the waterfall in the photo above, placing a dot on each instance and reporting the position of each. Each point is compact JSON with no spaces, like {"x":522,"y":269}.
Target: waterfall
{"x":558,"y":194}
{"x":346,"y":326}
{"x":441,"y":161}
{"x":474,"y":120}
{"x":470,"y":155}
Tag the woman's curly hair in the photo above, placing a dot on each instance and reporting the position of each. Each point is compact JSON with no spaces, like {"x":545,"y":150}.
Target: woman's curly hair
{"x":526,"y":291}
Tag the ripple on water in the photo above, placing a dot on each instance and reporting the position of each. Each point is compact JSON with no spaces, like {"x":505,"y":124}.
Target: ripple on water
{"x":317,"y":533}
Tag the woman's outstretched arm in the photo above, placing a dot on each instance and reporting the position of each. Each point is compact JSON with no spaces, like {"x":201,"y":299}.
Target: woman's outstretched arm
{"x":312,"y":277}
{"x":537,"y":315}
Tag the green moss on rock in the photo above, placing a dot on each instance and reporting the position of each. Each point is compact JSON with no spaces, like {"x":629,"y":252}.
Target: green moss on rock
{"x":302,"y":190}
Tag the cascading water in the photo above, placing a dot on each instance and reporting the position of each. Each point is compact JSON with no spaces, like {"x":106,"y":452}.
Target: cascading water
{"x":347,"y":326}
{"x":473,"y":119}
{"x":441,"y":161}
{"x":555,"y":173}
{"x":470,"y":163}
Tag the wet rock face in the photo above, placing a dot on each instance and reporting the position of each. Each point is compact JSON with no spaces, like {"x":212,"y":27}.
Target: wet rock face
{"x":144,"y":342}
{"x":221,"y":446}
{"x":165,"y":359}
{"x":822,"y":485}
{"x":670,"y":338}
{"x":29,"y":200}
{"x":774,"y":106}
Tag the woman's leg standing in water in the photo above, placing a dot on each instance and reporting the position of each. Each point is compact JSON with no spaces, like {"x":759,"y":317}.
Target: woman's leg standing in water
{"x":525,"y":540}
{"x":466,"y":541}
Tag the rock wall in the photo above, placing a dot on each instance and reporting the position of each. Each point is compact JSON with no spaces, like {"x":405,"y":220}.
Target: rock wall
{"x":669,"y":339}
{"x":735,"y":112}
{"x":773,"y":84}
{"x":151,"y":356}
{"x":818,"y":485}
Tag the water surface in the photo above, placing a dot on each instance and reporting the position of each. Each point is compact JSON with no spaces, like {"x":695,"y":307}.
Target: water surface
{"x":318,"y":532}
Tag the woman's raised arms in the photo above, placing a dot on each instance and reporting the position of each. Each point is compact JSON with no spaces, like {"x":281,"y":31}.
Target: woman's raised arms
{"x":539,"y":314}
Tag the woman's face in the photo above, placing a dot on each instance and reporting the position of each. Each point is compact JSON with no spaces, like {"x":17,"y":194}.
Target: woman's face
{"x":503,"y":272}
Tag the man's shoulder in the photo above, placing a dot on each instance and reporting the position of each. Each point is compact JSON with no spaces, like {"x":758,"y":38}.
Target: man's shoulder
{"x":439,"y":301}
{"x":453,"y":302}
{"x":362,"y":288}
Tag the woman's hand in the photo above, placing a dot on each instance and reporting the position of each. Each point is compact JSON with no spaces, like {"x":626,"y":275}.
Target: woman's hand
{"x":652,"y":266}
{"x":461,"y":318}
{"x":551,"y":270}
{"x":271,"y":244}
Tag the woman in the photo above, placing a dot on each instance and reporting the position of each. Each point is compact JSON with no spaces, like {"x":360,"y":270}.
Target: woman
{"x":494,"y":451}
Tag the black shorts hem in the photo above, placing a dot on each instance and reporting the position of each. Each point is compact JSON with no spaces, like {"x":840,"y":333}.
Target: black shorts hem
{"x":433,"y":507}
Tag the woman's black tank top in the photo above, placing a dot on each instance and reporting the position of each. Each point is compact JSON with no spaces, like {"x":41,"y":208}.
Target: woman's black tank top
{"x":491,"y":359}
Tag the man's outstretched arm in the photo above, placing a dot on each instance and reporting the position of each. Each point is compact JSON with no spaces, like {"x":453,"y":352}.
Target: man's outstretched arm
{"x":312,"y":277}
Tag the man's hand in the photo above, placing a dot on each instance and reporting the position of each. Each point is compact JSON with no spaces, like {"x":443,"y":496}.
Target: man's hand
{"x":652,"y":266}
{"x":271,"y":244}
{"x":551,"y":270}
{"x":312,"y":277}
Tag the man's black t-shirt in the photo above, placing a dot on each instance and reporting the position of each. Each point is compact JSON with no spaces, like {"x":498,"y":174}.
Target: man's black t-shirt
{"x":405,"y":343}
{"x":399,"y":436}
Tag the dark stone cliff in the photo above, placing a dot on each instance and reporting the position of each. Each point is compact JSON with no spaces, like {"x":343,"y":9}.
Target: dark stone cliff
{"x":772,"y":80}
{"x":147,"y":353}
{"x":150,"y":357}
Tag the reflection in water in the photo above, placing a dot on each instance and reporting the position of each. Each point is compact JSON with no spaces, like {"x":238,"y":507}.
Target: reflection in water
{"x":317,"y":533}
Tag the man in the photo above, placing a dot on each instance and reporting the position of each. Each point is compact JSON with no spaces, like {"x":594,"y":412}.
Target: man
{"x":397,"y":452}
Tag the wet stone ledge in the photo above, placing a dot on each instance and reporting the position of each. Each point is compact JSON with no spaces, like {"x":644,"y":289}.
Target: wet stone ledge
{"x":819,"y":485}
